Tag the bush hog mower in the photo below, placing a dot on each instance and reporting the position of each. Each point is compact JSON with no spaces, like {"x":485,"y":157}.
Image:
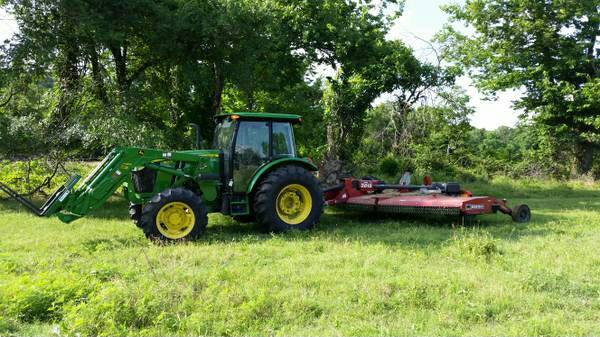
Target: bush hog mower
{"x":372,"y":195}
{"x":253,"y":174}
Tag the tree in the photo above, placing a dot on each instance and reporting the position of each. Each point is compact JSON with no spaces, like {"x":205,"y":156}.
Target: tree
{"x":391,"y":67}
{"x":422,"y":137}
{"x":547,"y":48}
{"x":137,"y":72}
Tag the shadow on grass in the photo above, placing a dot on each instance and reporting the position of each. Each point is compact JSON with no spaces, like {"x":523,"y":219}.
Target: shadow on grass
{"x":391,"y":230}
{"x":115,"y":208}
{"x":336,"y":225}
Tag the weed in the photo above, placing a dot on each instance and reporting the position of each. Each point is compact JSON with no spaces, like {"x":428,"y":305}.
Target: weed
{"x":473,"y":243}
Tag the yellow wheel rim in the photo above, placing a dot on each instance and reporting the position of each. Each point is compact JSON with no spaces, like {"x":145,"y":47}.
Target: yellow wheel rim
{"x":175,"y":220}
{"x":293,"y":204}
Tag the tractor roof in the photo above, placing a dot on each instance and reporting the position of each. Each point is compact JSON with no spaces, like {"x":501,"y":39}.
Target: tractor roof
{"x":263,"y":116}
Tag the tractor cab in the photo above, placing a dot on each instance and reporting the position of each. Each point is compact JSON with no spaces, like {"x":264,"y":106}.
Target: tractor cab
{"x":264,"y":179}
{"x":250,"y":141}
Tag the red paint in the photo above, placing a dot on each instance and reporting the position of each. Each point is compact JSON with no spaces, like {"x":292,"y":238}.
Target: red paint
{"x":362,"y":192}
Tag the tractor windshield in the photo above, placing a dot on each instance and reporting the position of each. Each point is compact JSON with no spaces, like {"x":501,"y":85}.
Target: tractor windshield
{"x":223,"y":138}
{"x":223,"y":135}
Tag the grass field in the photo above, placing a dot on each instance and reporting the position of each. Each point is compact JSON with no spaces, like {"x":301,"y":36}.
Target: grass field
{"x":352,"y":275}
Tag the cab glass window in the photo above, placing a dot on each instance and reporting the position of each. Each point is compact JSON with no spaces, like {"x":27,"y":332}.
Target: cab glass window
{"x":251,"y":151}
{"x":223,"y":138}
{"x":283,"y":140}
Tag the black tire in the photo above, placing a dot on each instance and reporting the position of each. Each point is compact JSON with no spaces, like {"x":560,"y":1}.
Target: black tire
{"x":268,"y":191}
{"x":244,"y":218}
{"x":187,"y":201}
{"x":521,"y":213}
{"x":135,"y":213}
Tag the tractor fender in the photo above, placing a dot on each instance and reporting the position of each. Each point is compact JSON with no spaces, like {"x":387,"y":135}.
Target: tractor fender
{"x":265,"y":169}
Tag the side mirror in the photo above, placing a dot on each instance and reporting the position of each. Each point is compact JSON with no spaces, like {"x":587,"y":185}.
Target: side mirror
{"x":198,"y":141}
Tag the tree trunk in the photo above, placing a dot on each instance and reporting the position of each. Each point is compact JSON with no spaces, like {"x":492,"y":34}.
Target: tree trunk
{"x":68,"y":80}
{"x":120,"y":59}
{"x":219,"y":84}
{"x":331,"y":169}
{"x":250,"y":104}
{"x":584,"y":155}
{"x":66,"y":66}
{"x":99,"y":88}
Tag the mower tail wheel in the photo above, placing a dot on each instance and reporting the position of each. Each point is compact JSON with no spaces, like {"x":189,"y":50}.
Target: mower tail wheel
{"x":288,"y":198}
{"x":174,"y":214}
{"x":521,"y":213}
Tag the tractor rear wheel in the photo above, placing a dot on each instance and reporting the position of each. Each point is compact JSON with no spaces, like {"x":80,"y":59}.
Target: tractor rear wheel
{"x":174,"y":214}
{"x":288,"y":198}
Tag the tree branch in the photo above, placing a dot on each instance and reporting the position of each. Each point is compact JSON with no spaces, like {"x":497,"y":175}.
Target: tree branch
{"x":139,"y":71}
{"x":12,"y":94}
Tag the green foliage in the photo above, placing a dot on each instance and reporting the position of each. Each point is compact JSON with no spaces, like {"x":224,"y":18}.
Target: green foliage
{"x":25,"y":176}
{"x":391,"y":66}
{"x":95,"y":75}
{"x":424,"y":140}
{"x":438,"y":140}
{"x":518,"y":152}
{"x":82,"y":77}
{"x":389,"y":166}
{"x":548,"y":49}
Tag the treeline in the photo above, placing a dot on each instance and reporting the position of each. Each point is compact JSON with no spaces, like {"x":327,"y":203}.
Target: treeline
{"x":440,"y":141}
{"x":82,"y":76}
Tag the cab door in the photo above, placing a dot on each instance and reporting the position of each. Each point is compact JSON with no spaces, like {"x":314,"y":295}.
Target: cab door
{"x":251,"y":150}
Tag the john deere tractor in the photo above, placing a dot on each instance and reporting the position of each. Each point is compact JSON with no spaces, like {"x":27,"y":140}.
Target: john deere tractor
{"x":253,"y":174}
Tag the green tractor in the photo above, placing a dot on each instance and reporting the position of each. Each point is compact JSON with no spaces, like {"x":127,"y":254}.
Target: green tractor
{"x":252,"y":174}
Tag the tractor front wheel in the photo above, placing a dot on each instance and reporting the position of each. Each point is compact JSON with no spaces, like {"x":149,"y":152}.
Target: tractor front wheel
{"x":174,"y":214}
{"x":288,"y":198}
{"x":135,"y":213}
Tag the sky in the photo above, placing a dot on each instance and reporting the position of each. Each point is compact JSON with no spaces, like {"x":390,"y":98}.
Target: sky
{"x":422,"y":19}
{"x":8,"y":26}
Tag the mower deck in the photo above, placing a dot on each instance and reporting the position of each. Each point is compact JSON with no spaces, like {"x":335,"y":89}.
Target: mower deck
{"x":432,"y":199}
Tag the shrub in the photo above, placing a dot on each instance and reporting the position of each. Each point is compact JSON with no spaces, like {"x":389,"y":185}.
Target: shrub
{"x":389,"y":166}
{"x":24,"y":176}
{"x":7,"y":326}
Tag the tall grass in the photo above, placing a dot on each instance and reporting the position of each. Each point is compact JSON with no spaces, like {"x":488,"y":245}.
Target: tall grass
{"x":352,"y":275}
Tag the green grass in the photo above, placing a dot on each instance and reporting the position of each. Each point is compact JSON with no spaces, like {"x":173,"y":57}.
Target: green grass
{"x":352,"y":275}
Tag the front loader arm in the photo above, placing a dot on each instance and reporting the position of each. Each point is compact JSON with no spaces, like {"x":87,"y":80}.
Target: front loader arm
{"x":73,"y":201}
